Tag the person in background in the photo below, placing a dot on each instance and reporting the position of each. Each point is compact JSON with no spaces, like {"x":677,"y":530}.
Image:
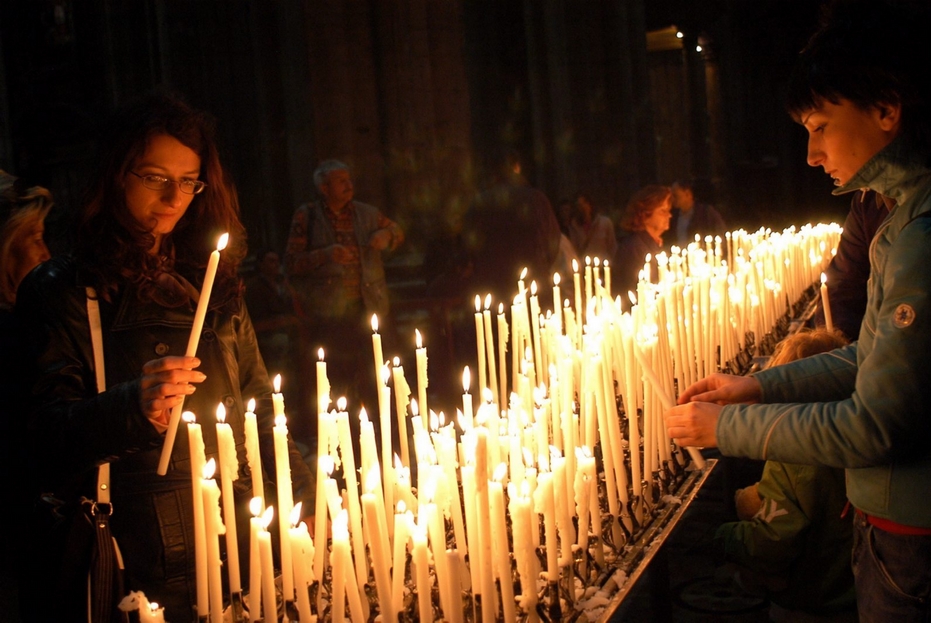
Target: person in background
{"x":646,"y":217}
{"x":148,"y":224}
{"x":849,"y":269}
{"x":591,"y":233}
{"x":861,"y":91}
{"x":510,"y":226}
{"x":791,"y":542}
{"x":333,"y":261}
{"x":22,"y":248}
{"x":691,"y":217}
{"x":22,"y":231}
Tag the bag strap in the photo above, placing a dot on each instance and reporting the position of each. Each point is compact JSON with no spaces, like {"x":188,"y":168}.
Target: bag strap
{"x":93,"y":318}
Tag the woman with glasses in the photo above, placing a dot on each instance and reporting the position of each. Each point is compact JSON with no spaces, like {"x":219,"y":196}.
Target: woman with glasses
{"x":149,"y":222}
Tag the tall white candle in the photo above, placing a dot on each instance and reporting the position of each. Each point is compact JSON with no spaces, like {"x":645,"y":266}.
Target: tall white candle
{"x":269,"y":600}
{"x":213,"y":528}
{"x":302,"y":554}
{"x":376,"y":347}
{"x":253,"y":455}
{"x":285,"y":503}
{"x":826,"y":303}
{"x":199,"y":315}
{"x":421,"y":355}
{"x":502,"y":356}
{"x":256,"y":526}
{"x":402,"y":393}
{"x":490,"y":348}
{"x":480,"y":341}
{"x":229,"y":471}
{"x":198,"y":460}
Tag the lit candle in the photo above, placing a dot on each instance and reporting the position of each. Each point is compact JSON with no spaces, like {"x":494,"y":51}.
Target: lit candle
{"x":466,"y":396}
{"x":198,"y":461}
{"x":502,"y":356}
{"x":402,"y":393}
{"x":348,"y":457}
{"x":422,"y":570}
{"x":500,"y":547}
{"x":490,"y":347}
{"x":480,"y":341}
{"x":579,"y":318}
{"x":213,"y":528}
{"x":269,"y":600}
{"x":302,"y":555}
{"x":285,"y":499}
{"x":826,"y":303}
{"x":402,"y":529}
{"x":256,"y":526}
{"x":151,"y":612}
{"x":253,"y":455}
{"x":277,"y":397}
{"x":323,"y":384}
{"x":199,"y":315}
{"x":229,"y":471}
{"x":373,"y":515}
{"x":421,"y":354}
{"x":376,"y":347}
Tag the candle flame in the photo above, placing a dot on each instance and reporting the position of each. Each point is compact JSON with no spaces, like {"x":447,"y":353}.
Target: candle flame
{"x":385,"y":374}
{"x":320,"y":353}
{"x":597,"y":262}
{"x":824,"y":278}
{"x":478,"y":303}
{"x":255,"y":506}
{"x":372,"y":480}
{"x":555,"y":279}
{"x":415,"y":410}
{"x":434,"y":421}
{"x":487,"y":395}
{"x":466,"y":379}
{"x":222,"y":242}
{"x":281,"y":421}
{"x":523,"y":273}
{"x":341,"y":403}
{"x":374,"y":323}
{"x":401,"y":507}
{"x":277,"y":383}
{"x":396,"y":362}
{"x":327,"y":464}
{"x":500,"y":308}
{"x":251,"y":406}
{"x":487,"y":300}
{"x":363,"y":416}
{"x":296,"y":514}
{"x":189,"y":417}
{"x":500,"y":472}
{"x":605,"y":263}
{"x":153,"y":607}
{"x":575,"y":266}
{"x":267,"y":517}
{"x":209,"y":469}
{"x":418,"y":339}
{"x":221,"y":413}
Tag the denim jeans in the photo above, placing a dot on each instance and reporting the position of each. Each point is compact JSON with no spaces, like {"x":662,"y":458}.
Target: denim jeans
{"x":892,"y":574}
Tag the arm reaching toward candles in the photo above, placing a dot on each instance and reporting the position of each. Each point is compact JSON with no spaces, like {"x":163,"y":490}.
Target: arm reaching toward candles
{"x":723,"y":389}
{"x":164,"y":383}
{"x":693,"y":424}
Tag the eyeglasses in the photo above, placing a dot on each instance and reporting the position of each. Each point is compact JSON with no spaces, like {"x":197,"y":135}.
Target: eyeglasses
{"x":157,"y":182}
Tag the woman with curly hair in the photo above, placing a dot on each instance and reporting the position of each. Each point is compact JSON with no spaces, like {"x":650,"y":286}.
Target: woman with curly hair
{"x":646,"y":217}
{"x":151,"y":218}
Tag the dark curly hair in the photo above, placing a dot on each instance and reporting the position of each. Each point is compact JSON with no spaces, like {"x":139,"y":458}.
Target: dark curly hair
{"x":113,"y":248}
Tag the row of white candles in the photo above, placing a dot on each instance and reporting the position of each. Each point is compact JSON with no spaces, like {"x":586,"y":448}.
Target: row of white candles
{"x":536,"y":444}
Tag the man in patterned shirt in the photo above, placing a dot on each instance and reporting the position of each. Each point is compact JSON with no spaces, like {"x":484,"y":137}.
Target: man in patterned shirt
{"x":333,"y":260}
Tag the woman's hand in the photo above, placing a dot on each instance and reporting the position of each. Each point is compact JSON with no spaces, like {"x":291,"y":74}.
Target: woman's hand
{"x":723,"y":389}
{"x":164,"y":384}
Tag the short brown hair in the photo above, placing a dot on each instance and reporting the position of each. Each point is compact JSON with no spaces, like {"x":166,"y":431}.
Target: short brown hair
{"x":806,"y":343}
{"x":642,"y":205}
